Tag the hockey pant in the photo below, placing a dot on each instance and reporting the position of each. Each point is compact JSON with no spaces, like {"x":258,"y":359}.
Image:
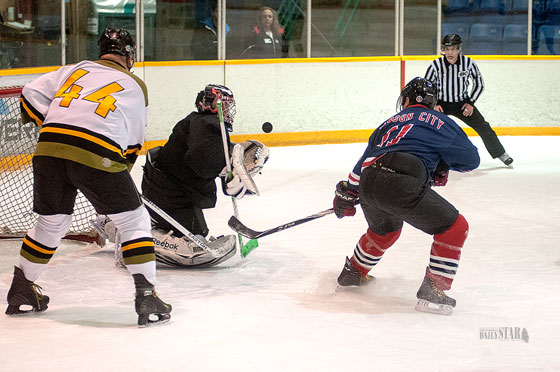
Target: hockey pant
{"x":41,"y":242}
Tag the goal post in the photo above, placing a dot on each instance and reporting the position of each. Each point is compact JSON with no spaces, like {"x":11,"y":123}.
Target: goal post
{"x":17,"y":144}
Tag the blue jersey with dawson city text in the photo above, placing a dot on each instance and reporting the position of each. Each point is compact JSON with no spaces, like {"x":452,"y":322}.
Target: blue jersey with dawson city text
{"x":430,"y":135}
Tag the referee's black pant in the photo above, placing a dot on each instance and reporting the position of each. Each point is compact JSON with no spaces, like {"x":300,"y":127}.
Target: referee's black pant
{"x":476,"y":121}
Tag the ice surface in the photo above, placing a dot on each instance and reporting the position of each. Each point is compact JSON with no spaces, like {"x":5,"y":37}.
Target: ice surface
{"x":278,"y":310}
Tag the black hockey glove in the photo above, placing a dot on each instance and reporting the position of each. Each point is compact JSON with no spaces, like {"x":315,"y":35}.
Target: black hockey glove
{"x":345,"y":200}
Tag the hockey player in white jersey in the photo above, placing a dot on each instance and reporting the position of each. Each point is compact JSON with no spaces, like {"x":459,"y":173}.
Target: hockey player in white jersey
{"x":92,"y":117}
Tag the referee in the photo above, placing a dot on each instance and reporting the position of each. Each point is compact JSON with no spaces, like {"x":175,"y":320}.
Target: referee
{"x":452,"y":74}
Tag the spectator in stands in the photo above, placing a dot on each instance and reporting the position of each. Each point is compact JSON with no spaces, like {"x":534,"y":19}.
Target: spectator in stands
{"x":204,"y":43}
{"x":265,"y":39}
{"x":290,"y":14}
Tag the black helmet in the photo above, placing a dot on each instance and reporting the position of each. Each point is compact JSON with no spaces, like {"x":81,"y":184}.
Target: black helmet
{"x":207,"y":98}
{"x":420,"y":92}
{"x":452,"y":40}
{"x":117,"y":41}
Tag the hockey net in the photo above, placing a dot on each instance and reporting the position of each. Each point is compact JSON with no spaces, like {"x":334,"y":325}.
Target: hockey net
{"x":17,"y":144}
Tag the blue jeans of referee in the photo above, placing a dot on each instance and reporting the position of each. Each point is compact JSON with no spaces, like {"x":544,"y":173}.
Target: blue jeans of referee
{"x":476,"y":121}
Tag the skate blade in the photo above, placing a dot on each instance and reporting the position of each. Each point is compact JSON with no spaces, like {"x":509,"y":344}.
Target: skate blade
{"x":145,"y":321}
{"x":351,"y":287}
{"x":432,"y":308}
{"x":14,"y":310}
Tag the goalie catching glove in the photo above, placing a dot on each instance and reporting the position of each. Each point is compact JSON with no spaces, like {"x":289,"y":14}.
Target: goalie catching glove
{"x":247,"y":159}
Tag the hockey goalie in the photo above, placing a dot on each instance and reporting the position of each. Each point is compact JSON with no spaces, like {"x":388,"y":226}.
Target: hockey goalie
{"x":180,"y":178}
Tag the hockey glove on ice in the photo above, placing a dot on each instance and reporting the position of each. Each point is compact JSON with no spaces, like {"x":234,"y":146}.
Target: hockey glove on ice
{"x":345,"y":200}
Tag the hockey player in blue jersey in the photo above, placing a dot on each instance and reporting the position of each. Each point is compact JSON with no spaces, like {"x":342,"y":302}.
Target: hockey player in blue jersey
{"x":407,"y":155}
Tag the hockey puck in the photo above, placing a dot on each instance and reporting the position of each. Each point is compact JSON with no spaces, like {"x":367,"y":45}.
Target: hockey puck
{"x":267,"y":127}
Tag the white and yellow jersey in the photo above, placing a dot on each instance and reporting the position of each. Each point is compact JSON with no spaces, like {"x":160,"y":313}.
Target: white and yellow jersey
{"x":93,"y":113}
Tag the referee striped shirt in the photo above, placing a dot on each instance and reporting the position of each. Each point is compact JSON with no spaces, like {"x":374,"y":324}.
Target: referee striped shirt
{"x":453,"y":80}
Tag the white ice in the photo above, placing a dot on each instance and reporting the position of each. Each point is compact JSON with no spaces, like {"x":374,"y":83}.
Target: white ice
{"x":279,"y":310}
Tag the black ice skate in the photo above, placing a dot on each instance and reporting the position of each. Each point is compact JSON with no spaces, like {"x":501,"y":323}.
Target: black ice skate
{"x":148,"y":303}
{"x":506,"y":159}
{"x":350,"y":276}
{"x":24,"y":292}
{"x":433,"y":300}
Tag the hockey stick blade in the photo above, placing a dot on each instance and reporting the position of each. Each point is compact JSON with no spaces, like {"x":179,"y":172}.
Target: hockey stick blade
{"x":240,"y":228}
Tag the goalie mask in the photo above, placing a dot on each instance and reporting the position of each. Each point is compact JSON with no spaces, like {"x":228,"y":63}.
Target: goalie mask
{"x":206,"y":102}
{"x":117,"y":41}
{"x":419,"y":92}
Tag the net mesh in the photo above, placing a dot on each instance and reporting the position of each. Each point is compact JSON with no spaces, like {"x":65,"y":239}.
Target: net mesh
{"x":17,"y":144}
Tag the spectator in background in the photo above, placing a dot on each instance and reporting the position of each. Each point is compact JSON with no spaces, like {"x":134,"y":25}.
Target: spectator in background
{"x":265,"y":40}
{"x":204,"y":43}
{"x":290,"y":14}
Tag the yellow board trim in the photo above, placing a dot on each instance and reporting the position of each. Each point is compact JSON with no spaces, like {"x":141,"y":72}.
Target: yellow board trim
{"x":306,"y":138}
{"x":137,"y":65}
{"x":353,"y":136}
{"x":15,"y":162}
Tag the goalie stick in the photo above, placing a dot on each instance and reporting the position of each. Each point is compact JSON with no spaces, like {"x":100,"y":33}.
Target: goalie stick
{"x":213,"y":249}
{"x":240,"y":228}
{"x":244,"y":249}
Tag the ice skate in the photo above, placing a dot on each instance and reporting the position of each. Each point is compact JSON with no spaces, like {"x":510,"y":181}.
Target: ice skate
{"x":24,"y":292}
{"x":433,"y":300}
{"x":117,"y":253}
{"x":105,"y":228}
{"x":351,"y":276}
{"x":506,"y":159}
{"x":147,"y":303}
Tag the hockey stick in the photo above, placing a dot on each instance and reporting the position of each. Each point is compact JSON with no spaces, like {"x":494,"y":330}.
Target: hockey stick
{"x":240,"y":228}
{"x":214,"y":250}
{"x":251,"y":244}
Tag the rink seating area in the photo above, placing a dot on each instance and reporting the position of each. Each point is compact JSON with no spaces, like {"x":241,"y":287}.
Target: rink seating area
{"x":500,"y":26}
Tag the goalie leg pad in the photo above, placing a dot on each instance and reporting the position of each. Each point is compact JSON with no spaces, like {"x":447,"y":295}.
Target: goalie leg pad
{"x":182,"y":252}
